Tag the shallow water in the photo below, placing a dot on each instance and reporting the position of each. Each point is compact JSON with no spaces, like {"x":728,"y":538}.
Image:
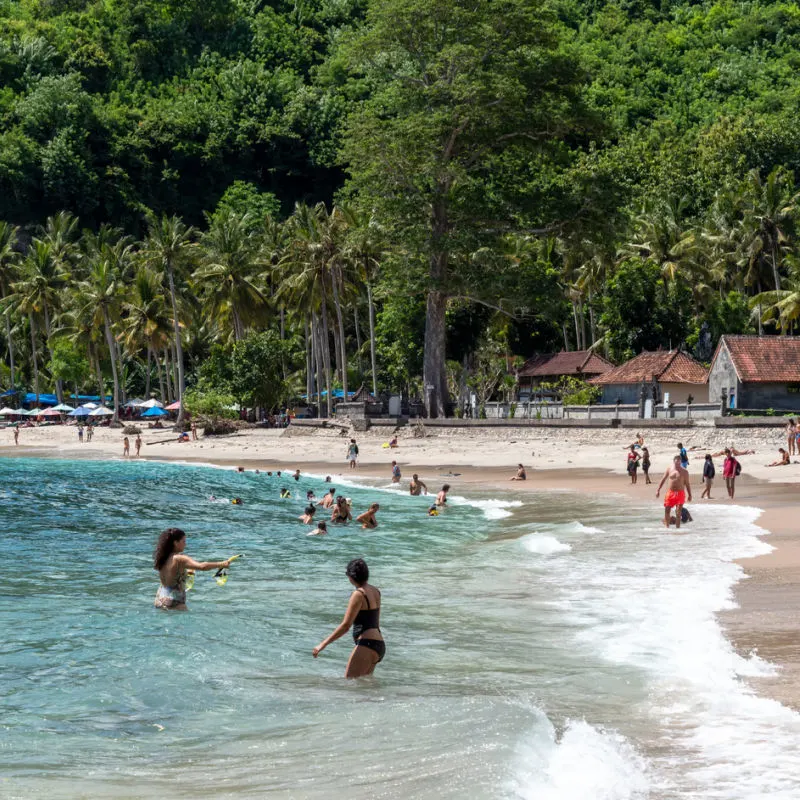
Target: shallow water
{"x":541,"y":646}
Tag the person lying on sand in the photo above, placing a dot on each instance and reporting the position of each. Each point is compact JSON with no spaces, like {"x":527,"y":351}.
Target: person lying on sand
{"x":732,"y":451}
{"x":782,"y":461}
{"x":521,"y":475}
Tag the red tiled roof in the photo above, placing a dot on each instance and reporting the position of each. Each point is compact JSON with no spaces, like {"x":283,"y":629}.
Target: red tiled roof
{"x":764,"y":359}
{"x":662,"y":366}
{"x":576,"y":362}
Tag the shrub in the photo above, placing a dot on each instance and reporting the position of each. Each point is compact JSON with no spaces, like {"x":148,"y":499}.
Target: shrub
{"x":131,"y":430}
{"x":219,"y":426}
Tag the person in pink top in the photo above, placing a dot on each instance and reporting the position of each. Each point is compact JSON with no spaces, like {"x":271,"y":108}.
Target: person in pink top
{"x":730,"y":470}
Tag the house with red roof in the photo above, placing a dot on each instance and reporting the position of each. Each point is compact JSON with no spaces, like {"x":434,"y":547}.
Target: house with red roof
{"x":756,"y":372}
{"x":661,"y":373}
{"x":538,"y":369}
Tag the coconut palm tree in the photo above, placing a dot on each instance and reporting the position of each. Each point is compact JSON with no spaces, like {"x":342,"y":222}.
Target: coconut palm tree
{"x":170,"y":250}
{"x":9,"y":262}
{"x":230,"y":261}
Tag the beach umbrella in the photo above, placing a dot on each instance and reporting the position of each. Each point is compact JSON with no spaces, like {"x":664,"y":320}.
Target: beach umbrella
{"x":80,"y":411}
{"x":7,"y":412}
{"x":63,"y":407}
{"x":90,"y":406}
{"x":155,"y":412}
{"x":50,"y":412}
{"x":34,"y":412}
{"x":135,"y":403}
{"x":176,"y":406}
{"x":102,"y":411}
{"x":152,"y":403}
{"x":21,"y":412}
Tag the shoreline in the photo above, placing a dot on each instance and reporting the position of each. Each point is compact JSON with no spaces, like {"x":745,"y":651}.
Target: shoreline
{"x":767,"y":596}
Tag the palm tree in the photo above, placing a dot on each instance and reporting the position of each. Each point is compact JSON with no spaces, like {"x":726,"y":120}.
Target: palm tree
{"x":147,"y":323}
{"x":9,"y":261}
{"x":99,"y":294}
{"x":168,"y":249}
{"x":229,"y":264}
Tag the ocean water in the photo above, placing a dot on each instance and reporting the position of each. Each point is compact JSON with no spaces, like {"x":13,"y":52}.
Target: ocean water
{"x":542,"y":646}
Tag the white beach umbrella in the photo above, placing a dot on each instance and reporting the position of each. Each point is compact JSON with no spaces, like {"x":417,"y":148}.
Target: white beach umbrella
{"x":34,"y":412}
{"x":63,"y":407}
{"x":90,"y":405}
{"x":21,"y":412}
{"x":152,"y":403}
{"x":101,"y":412}
{"x":7,"y":412}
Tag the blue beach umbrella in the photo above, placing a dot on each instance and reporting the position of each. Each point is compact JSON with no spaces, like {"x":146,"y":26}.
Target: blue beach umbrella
{"x":80,"y":411}
{"x":155,"y":411}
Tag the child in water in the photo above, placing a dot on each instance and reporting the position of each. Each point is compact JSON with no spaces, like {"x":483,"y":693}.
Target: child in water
{"x":285,"y":493}
{"x":320,"y":530}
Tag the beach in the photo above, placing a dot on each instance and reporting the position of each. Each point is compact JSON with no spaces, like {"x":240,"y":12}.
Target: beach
{"x":583,"y":460}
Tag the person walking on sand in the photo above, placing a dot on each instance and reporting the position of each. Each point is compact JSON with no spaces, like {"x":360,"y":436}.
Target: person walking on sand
{"x":138,"y":444}
{"x":80,"y":434}
{"x":126,"y":447}
{"x":416,"y":487}
{"x":16,"y":435}
{"x":709,"y":472}
{"x":731,"y":469}
{"x":678,"y":489}
{"x":194,"y":430}
{"x":367,"y":519}
{"x":363,"y":615}
{"x":521,"y":474}
{"x":633,"y":464}
{"x":352,"y":454}
{"x":791,"y":436}
{"x":646,"y":464}
{"x":396,"y":474}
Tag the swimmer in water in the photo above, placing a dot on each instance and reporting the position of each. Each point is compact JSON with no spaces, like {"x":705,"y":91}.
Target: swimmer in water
{"x":341,"y":512}
{"x":396,"y":474}
{"x":237,"y":501}
{"x":327,"y":499}
{"x":307,"y":517}
{"x":296,"y":475}
{"x":416,"y":486}
{"x":173,"y":566}
{"x":433,"y":511}
{"x":310,"y":496}
{"x":363,"y":615}
{"x":320,"y":530}
{"x":285,"y":493}
{"x":441,"y":498}
{"x":367,"y":519}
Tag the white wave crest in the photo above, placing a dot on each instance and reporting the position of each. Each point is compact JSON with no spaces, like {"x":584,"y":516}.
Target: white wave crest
{"x":543,"y":545}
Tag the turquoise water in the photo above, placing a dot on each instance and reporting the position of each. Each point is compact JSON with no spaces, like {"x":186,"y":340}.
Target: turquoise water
{"x":553,"y":646}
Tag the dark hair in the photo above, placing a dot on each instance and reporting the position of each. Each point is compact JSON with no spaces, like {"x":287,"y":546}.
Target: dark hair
{"x":278,"y":473}
{"x":310,"y":510}
{"x":165,"y":546}
{"x":680,"y":444}
{"x":333,"y":490}
{"x":446,"y":487}
{"x":358,"y":570}
{"x":708,"y":456}
{"x":322,"y":525}
{"x":270,"y":474}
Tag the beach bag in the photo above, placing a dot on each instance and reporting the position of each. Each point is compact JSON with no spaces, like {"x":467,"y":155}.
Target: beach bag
{"x":737,"y":470}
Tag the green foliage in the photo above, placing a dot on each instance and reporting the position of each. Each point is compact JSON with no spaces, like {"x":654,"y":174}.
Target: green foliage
{"x":574,"y":391}
{"x":642,"y":312}
{"x":256,"y":370}
{"x":210,"y":403}
{"x":242,"y":197}
{"x":69,"y":364}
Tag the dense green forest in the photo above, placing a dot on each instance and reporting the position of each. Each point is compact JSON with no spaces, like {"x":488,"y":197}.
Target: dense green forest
{"x":265,"y":200}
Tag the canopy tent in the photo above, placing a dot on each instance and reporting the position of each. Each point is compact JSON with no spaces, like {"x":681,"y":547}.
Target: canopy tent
{"x":133,"y":403}
{"x":35,"y":412}
{"x":92,"y":397}
{"x":176,"y":406}
{"x":102,"y":411}
{"x":152,"y":403}
{"x":7,"y":412}
{"x":21,"y":412}
{"x":41,"y":399}
{"x":62,"y":407}
{"x":9,"y":392}
{"x":90,"y":406}
{"x":50,"y":412}
{"x":80,"y":411}
{"x":155,"y":412}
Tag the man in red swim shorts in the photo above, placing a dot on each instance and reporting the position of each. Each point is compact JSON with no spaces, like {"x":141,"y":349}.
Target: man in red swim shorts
{"x":678,"y":487}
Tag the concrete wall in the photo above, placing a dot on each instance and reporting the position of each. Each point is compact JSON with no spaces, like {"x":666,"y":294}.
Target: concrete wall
{"x":768,"y":395}
{"x":723,"y":376}
{"x":678,"y":393}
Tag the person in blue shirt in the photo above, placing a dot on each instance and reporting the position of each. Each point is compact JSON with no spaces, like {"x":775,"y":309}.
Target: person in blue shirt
{"x":683,"y":455}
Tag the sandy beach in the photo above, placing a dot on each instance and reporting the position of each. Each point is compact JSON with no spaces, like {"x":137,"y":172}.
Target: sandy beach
{"x":584,"y":460}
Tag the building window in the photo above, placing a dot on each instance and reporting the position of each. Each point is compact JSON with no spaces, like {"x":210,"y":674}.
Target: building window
{"x":732,"y":397}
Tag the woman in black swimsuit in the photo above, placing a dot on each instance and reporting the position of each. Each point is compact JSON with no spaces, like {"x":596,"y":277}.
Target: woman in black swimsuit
{"x":363,"y":614}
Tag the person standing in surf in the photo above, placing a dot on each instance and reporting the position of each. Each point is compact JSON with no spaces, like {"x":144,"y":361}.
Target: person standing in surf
{"x":173,"y":567}
{"x":731,"y":469}
{"x":363,"y":615}
{"x":352,"y":454}
{"x":678,"y":488}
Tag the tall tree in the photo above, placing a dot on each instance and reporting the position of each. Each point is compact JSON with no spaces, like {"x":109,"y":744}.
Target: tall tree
{"x":9,"y":261}
{"x":463,"y":96}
